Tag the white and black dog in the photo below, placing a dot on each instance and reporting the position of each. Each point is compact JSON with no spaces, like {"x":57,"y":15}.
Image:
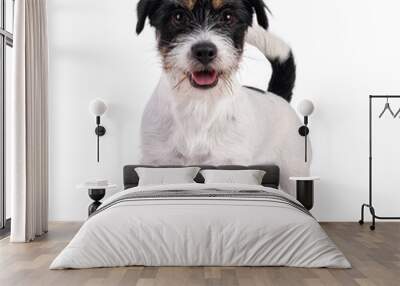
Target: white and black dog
{"x":199,"y":113}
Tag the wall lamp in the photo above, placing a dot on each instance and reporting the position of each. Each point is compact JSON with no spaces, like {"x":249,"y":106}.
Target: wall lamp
{"x":97,"y":107}
{"x":305,"y":108}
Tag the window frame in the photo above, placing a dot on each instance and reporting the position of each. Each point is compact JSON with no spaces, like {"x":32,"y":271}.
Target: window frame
{"x":6,"y":39}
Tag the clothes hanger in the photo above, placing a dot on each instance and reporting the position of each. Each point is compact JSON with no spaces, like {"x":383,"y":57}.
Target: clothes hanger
{"x":397,"y":113}
{"x":387,"y":107}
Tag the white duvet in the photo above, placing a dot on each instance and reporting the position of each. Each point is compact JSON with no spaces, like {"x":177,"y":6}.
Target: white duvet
{"x":200,"y":231}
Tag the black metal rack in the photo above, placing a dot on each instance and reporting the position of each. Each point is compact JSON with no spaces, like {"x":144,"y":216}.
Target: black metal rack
{"x":370,"y":205}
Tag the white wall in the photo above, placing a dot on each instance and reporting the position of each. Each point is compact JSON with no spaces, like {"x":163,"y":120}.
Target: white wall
{"x":345,"y":50}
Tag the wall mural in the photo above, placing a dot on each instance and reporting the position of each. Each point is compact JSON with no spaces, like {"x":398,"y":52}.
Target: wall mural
{"x":199,"y":113}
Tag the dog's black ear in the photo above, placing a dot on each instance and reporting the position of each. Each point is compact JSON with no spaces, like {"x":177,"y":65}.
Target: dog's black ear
{"x":145,"y":8}
{"x":259,"y":7}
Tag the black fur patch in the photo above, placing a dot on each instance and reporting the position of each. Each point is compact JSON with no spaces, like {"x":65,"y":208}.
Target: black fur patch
{"x":283,"y":77}
{"x":254,"y":88}
{"x":202,"y":15}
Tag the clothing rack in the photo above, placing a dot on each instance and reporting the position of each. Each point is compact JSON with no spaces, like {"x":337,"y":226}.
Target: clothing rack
{"x":370,"y":204}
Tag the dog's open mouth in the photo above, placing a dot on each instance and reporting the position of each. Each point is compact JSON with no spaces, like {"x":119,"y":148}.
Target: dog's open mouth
{"x":204,"y":78}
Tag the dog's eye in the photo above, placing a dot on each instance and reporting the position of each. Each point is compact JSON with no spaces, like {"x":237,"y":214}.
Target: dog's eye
{"x":178,"y":18}
{"x":228,"y":17}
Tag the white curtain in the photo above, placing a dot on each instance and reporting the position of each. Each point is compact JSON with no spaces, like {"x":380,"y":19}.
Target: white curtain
{"x":28,"y":148}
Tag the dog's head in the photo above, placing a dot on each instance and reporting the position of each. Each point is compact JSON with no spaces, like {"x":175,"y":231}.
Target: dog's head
{"x":200,"y":41}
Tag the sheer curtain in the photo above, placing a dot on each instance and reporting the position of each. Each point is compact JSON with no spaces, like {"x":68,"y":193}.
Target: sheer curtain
{"x":27,"y":117}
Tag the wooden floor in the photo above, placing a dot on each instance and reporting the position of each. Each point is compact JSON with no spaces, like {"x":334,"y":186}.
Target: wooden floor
{"x":375,"y":257}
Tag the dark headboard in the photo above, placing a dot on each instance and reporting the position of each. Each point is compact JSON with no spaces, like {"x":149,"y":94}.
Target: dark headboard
{"x":271,"y":177}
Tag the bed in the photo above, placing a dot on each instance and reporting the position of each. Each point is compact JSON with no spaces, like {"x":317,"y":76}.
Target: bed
{"x":198,"y":224}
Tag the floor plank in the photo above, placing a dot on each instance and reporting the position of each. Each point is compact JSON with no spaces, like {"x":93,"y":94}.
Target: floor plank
{"x":375,"y":257}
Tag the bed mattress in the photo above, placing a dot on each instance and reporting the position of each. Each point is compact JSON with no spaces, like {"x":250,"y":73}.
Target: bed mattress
{"x":201,"y":225}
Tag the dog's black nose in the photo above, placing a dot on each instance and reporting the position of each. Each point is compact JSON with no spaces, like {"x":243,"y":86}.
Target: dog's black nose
{"x":204,"y":52}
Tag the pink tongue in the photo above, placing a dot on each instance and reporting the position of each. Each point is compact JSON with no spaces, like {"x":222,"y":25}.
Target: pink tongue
{"x":204,"y":78}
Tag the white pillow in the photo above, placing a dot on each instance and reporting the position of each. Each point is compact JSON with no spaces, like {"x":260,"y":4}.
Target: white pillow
{"x":165,"y":176}
{"x":248,"y":177}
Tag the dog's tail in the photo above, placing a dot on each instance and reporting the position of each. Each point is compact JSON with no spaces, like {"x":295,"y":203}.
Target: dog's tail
{"x":280,"y":56}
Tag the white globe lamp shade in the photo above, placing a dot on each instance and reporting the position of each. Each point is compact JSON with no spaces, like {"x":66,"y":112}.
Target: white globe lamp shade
{"x":97,"y":107}
{"x":305,"y":107}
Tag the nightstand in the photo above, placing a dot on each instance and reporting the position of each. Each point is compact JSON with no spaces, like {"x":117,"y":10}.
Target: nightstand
{"x":96,"y":193}
{"x":305,"y":190}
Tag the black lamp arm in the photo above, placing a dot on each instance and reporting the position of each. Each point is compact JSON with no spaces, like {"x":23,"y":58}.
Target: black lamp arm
{"x":304,"y":131}
{"x":99,"y":131}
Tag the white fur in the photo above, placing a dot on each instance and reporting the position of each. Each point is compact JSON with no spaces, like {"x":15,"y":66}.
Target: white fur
{"x":269,"y":44}
{"x":227,"y":124}
{"x":180,"y":62}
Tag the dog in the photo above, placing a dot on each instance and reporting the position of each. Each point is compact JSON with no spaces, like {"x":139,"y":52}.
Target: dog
{"x":199,"y":113}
